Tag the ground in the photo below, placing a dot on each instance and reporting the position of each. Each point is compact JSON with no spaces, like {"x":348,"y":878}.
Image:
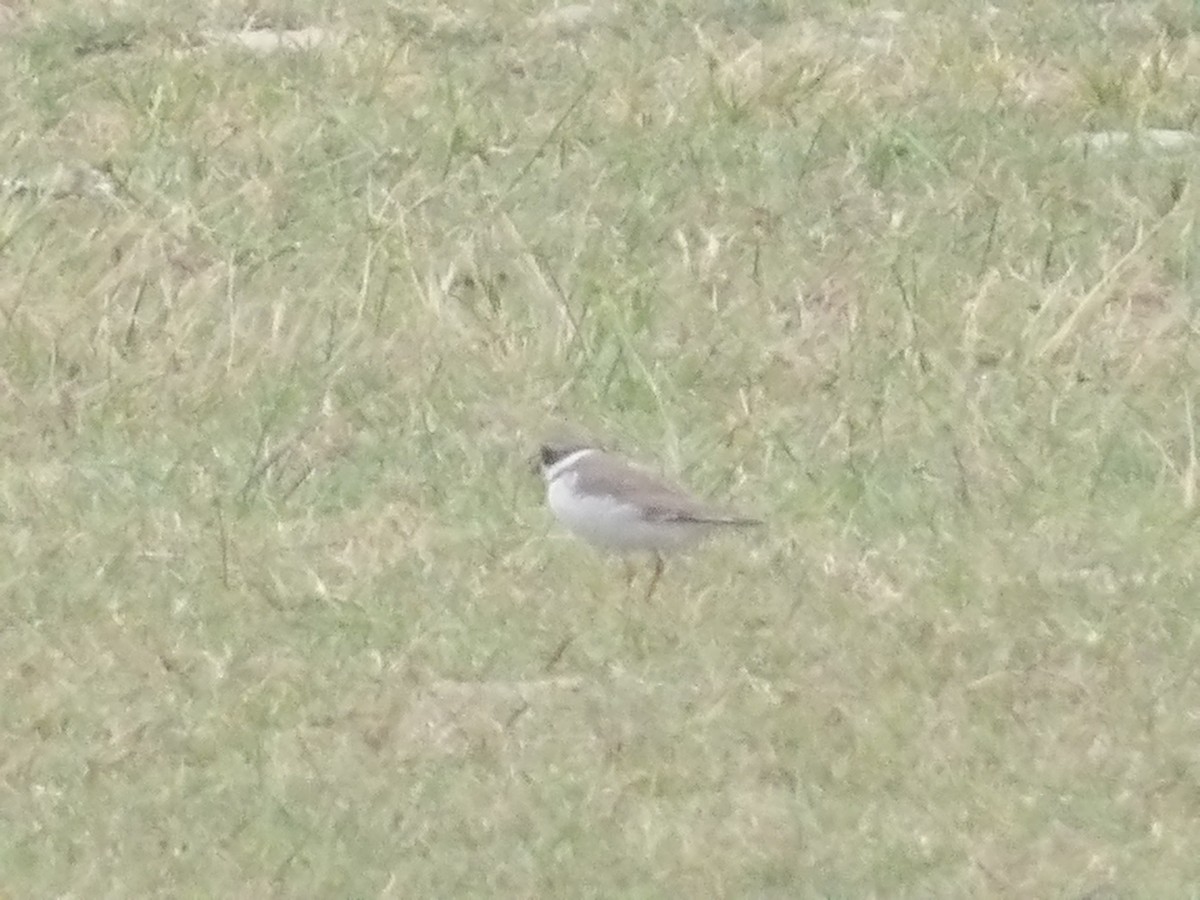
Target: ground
{"x":290,"y":293}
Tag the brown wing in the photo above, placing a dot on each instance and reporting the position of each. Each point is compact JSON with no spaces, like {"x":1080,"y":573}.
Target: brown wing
{"x":662,"y":501}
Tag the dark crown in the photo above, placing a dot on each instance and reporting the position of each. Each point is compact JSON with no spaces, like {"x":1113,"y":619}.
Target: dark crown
{"x":549,"y":454}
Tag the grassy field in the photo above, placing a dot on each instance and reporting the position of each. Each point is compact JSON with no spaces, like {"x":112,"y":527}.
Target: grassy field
{"x":282,"y":611}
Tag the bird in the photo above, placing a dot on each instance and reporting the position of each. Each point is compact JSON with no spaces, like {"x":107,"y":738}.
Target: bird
{"x":616,"y":505}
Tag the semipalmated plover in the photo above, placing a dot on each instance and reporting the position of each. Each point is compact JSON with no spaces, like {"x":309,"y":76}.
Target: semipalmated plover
{"x":617,"y":506}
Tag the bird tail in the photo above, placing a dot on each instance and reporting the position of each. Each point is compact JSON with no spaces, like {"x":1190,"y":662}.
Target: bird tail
{"x":735,"y":521}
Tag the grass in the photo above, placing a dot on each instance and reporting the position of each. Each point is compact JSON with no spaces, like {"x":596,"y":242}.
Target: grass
{"x":283,"y":611}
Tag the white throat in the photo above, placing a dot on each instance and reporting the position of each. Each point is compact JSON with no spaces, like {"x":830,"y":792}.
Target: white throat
{"x":560,"y":467}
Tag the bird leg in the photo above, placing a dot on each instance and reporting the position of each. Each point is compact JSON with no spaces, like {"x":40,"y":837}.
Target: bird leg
{"x":658,"y":570}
